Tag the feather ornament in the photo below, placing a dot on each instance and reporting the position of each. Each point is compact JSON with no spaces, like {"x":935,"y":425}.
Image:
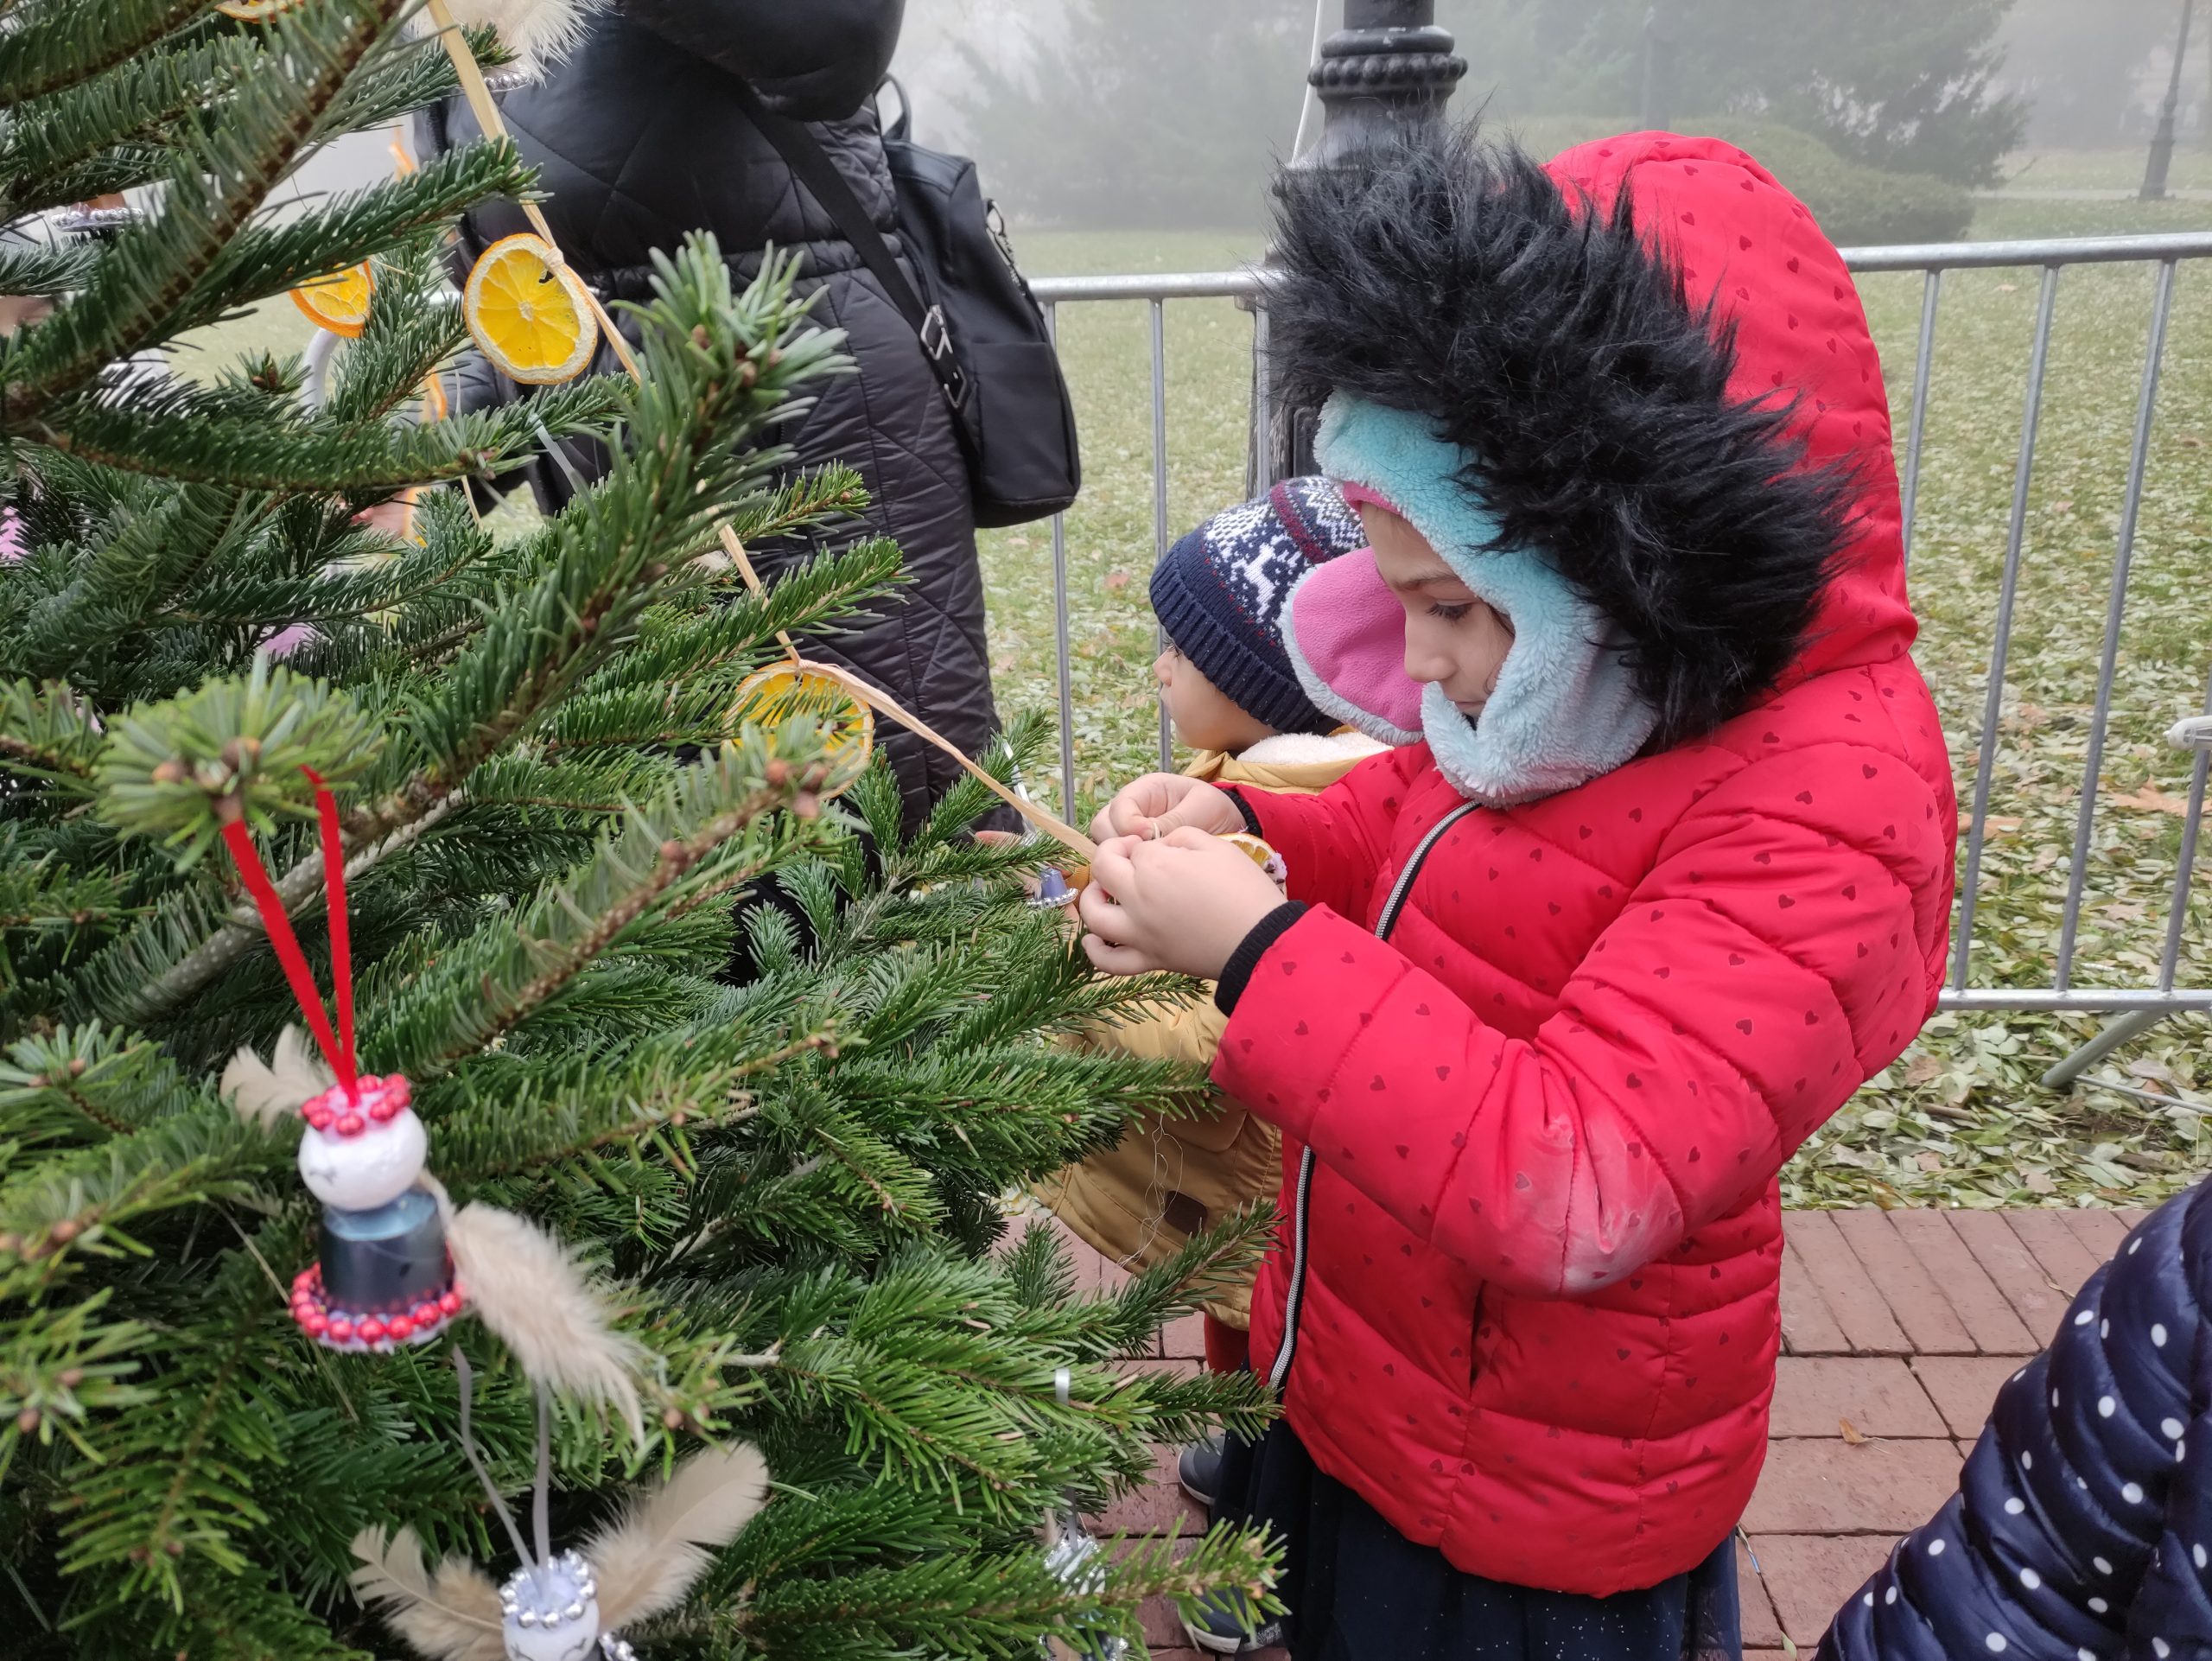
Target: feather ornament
{"x":529,"y":1291}
{"x":450,"y":1615}
{"x":270,"y":1092}
{"x":540,"y":32}
{"x":646,"y":1563}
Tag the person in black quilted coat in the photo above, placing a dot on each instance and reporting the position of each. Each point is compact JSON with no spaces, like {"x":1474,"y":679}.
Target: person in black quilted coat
{"x":634,"y":131}
{"x":2083,"y":1519}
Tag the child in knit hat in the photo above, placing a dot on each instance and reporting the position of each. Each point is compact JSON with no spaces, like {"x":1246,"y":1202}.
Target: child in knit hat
{"x":1235,"y":697}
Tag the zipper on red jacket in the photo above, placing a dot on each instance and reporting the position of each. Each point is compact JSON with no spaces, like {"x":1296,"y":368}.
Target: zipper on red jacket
{"x":1294,"y":1296}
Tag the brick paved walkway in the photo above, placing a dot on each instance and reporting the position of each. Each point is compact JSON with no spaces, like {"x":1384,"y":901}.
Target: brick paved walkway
{"x":1902,"y":1323}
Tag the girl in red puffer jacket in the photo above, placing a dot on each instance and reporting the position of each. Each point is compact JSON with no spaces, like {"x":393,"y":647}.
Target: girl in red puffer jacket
{"x":1659,"y":875}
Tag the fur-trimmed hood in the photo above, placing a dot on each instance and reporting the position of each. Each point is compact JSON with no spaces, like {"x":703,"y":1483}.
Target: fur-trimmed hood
{"x":1661,"y":373}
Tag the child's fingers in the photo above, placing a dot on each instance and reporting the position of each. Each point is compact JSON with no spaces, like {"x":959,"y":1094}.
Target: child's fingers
{"x":1096,"y":907}
{"x":1111,"y":870}
{"x":1115,"y":959}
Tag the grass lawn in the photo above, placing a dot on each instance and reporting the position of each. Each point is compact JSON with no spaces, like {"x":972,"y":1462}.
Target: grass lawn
{"x":1959,"y":1118}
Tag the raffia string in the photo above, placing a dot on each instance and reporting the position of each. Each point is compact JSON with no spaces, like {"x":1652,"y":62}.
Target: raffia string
{"x":486,"y":110}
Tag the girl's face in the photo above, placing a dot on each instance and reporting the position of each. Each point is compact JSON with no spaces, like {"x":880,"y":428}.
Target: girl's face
{"x":1452,"y":639}
{"x":1203,"y":717}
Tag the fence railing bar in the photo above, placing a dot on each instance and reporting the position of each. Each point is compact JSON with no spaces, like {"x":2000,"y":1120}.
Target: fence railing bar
{"x":1263,"y":408}
{"x":1931,"y":286}
{"x":2085,"y":821}
{"x":1159,"y":499}
{"x":2037,"y":251}
{"x":1993,"y":705}
{"x":1063,"y":657}
{"x":2042,"y":1000}
{"x":2185,"y":866}
{"x":1902,"y":257}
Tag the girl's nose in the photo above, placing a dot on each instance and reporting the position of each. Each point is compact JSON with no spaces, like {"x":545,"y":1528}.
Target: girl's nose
{"x":1424,"y":662}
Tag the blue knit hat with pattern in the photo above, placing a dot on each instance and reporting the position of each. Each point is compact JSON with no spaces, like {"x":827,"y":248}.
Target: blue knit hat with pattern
{"x":1221,"y":591}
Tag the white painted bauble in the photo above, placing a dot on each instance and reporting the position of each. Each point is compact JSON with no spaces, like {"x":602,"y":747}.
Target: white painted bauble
{"x":371,"y":1168}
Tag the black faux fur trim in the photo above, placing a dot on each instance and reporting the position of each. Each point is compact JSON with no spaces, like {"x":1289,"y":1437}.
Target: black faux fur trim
{"x":1449,"y":276}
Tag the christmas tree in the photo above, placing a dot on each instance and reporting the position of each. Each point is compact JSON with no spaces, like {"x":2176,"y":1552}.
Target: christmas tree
{"x":775,"y":1196}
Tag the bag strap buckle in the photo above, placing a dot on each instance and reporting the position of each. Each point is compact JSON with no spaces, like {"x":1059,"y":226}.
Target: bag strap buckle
{"x":937,"y":345}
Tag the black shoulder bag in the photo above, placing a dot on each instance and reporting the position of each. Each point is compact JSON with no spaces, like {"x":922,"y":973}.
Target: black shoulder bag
{"x":980,"y":327}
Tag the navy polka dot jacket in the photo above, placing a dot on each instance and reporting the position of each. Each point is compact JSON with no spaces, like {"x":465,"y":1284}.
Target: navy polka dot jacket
{"x":2083,"y":1518}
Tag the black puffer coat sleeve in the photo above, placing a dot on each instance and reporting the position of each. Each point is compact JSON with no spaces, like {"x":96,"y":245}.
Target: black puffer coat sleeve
{"x":2083,"y":1517}
{"x":812,"y":59}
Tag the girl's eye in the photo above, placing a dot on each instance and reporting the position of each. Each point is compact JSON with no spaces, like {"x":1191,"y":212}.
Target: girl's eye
{"x":1450,"y":614}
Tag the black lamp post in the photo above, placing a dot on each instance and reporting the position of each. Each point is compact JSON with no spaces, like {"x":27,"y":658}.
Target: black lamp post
{"x":1389,"y":68}
{"x":2161,"y":142}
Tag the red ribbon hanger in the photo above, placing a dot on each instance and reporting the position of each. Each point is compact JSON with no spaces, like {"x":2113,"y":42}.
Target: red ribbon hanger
{"x":337,"y":1047}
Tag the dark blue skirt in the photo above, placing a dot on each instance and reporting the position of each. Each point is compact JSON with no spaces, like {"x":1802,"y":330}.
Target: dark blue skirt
{"x":1358,"y":1590}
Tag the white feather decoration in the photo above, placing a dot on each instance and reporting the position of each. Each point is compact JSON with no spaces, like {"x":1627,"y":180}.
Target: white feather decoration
{"x":538,"y":32}
{"x":527,"y":1287}
{"x":453,"y":1615}
{"x":646,"y":1562}
{"x":269,"y":1093}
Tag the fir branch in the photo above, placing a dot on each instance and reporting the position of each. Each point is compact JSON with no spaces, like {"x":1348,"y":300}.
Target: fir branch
{"x":45,"y":267}
{"x":175,"y":429}
{"x":483,"y":987}
{"x":49,"y":733}
{"x":92,"y":1081}
{"x":115,"y":124}
{"x":220,"y":181}
{"x":992,"y":1605}
{"x":62,"y":46}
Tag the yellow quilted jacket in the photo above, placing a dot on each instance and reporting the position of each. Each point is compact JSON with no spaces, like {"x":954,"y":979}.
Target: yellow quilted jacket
{"x":1169,"y":1178}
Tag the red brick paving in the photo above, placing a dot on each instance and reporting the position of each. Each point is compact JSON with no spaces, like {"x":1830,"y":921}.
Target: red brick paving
{"x":1904,"y":1323}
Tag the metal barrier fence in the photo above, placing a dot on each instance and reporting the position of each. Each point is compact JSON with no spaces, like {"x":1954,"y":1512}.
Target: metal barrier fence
{"x":2137,"y":1007}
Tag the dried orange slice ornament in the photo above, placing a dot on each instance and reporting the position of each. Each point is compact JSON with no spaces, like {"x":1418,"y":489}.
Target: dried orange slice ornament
{"x":1260,"y":854}
{"x":784,"y":691}
{"x":529,"y":313}
{"x":339,"y":303}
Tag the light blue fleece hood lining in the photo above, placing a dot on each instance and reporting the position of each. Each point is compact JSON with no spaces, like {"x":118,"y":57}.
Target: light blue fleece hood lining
{"x":1566,"y":708}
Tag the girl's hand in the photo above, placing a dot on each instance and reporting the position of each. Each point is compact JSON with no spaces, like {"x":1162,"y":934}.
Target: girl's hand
{"x":1161,"y":802}
{"x":1181,"y":903}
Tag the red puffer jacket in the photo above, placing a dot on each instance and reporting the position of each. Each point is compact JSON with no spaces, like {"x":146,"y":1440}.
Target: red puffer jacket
{"x":1530,"y":1292}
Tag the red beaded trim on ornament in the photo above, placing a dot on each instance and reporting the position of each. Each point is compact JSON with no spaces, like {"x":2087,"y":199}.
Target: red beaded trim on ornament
{"x":375,"y":1101}
{"x":339,"y":1326}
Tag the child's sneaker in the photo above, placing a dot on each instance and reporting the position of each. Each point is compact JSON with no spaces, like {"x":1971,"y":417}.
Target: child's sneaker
{"x":1220,"y":1627}
{"x":1199,"y":1469}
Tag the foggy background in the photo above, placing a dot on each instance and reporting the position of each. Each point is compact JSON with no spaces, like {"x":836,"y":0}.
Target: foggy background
{"x":1166,"y":114}
{"x":1886,"y":116}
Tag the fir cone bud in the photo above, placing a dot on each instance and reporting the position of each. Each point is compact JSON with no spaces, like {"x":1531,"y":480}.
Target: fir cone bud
{"x":746,"y":375}
{"x":27,"y":1421}
{"x":700,"y":338}
{"x":672,"y":1418}
{"x":170,"y":772}
{"x":174,"y":1548}
{"x":70,"y":1377}
{"x":241,"y":752}
{"x":807,"y":805}
{"x":66,"y":1231}
{"x":817,"y":776}
{"x":76,"y":1066}
{"x":777,"y":772}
